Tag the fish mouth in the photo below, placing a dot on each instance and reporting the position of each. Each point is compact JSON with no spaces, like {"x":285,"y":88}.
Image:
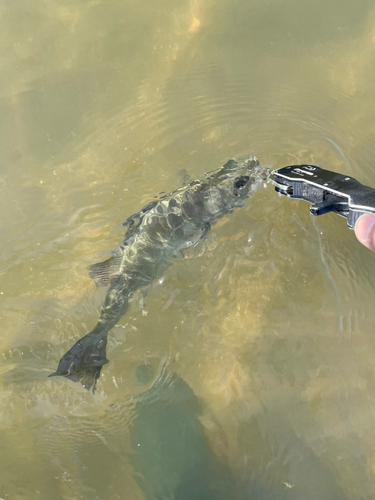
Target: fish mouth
{"x":250,"y":166}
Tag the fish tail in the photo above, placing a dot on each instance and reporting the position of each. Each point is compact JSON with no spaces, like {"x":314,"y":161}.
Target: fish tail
{"x":84,"y":361}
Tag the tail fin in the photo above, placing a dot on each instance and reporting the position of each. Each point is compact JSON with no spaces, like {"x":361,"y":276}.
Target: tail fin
{"x":84,"y":361}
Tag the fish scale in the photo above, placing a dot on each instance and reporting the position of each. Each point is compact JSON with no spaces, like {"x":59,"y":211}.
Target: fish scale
{"x":158,"y":233}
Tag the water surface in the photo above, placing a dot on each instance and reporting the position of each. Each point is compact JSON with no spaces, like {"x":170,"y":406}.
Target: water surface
{"x":248,"y":371}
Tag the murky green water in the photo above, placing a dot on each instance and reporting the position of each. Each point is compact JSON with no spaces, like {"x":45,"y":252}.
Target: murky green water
{"x":250,"y":371}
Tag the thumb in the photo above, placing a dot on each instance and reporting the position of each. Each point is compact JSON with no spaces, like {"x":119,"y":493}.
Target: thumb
{"x":365,"y":230}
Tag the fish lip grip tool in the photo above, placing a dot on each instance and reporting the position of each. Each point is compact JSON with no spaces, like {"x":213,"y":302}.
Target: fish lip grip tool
{"x":327,"y":191}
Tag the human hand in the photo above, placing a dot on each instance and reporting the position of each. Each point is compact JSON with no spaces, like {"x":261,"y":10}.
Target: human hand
{"x":365,"y":230}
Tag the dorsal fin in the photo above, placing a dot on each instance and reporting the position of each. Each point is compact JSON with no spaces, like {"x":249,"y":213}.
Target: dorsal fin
{"x":134,"y":221}
{"x":103,"y":272}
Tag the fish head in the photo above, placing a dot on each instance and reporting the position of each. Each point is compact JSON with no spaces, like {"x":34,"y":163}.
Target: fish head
{"x":238,"y":178}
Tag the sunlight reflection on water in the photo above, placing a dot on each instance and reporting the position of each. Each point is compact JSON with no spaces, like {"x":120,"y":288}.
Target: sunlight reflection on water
{"x":248,"y":370}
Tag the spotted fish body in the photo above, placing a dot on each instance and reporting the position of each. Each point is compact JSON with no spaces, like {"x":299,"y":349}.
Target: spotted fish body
{"x":155,"y":235}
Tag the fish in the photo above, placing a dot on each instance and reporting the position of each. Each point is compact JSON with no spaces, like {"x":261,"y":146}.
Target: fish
{"x":156,"y":235}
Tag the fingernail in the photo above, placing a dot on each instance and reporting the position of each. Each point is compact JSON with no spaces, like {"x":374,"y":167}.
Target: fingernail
{"x":364,"y":230}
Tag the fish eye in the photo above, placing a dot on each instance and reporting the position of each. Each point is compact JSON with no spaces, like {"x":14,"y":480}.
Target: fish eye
{"x":241,"y":182}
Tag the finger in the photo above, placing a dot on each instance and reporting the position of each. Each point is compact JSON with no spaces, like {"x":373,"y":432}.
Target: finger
{"x":365,"y":230}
